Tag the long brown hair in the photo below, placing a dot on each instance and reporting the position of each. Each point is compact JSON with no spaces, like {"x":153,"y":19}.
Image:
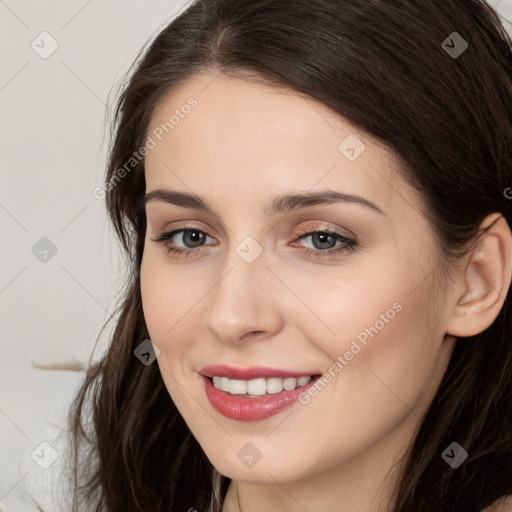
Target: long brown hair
{"x":384,"y":65}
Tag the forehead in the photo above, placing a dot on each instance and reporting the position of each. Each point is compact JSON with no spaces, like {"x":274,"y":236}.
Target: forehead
{"x":257,"y":138}
{"x":246,"y":117}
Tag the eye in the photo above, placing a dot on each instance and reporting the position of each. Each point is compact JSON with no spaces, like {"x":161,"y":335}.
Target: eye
{"x":192,"y":239}
{"x":326,"y":242}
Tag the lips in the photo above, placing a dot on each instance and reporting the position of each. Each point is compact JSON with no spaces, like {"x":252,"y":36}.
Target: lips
{"x":245,"y":407}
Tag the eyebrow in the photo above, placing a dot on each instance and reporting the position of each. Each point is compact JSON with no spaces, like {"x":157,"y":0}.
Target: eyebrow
{"x":283,"y":203}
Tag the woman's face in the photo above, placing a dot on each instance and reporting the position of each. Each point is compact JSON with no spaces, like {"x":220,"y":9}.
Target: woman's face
{"x":338,"y":282}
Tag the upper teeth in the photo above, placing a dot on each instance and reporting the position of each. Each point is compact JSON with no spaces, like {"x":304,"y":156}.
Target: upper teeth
{"x":259,"y":386}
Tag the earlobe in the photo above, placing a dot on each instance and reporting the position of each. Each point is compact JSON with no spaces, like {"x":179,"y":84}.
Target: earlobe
{"x":486,"y":280}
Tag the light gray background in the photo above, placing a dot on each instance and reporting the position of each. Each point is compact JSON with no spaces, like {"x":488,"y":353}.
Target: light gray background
{"x":53,"y":142}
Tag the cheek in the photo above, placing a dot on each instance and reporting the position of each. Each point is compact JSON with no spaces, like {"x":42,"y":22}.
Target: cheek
{"x":350,"y":308}
{"x":155,"y":300}
{"x":168,"y":295}
{"x":385,"y":328}
{"x":165,"y":302}
{"x":382,"y":355}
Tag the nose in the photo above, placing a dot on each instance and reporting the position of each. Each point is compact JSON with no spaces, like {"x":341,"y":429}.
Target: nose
{"x":244,"y":304}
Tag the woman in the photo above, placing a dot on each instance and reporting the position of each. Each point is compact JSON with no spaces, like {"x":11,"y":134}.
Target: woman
{"x":313,"y":199}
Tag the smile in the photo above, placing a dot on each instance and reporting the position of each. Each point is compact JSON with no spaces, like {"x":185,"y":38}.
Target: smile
{"x":252,"y":394}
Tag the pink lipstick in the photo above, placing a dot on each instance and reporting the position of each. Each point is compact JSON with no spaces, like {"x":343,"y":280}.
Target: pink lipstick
{"x":254,"y":393}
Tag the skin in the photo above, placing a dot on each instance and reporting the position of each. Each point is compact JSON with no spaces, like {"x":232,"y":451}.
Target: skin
{"x":242,"y":145}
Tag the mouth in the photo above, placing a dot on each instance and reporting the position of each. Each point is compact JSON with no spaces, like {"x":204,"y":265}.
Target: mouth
{"x":263,"y":393}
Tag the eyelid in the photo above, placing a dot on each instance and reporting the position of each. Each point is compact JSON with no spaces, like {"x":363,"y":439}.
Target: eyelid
{"x":184,"y":226}
{"x":323,"y":227}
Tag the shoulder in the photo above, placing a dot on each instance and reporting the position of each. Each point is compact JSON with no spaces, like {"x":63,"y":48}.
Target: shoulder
{"x":501,"y":505}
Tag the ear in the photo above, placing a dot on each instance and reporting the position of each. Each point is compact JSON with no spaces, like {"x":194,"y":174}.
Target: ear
{"x":483,"y":285}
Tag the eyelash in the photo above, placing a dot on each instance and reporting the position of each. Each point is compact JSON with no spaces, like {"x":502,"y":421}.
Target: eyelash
{"x":347,"y":244}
